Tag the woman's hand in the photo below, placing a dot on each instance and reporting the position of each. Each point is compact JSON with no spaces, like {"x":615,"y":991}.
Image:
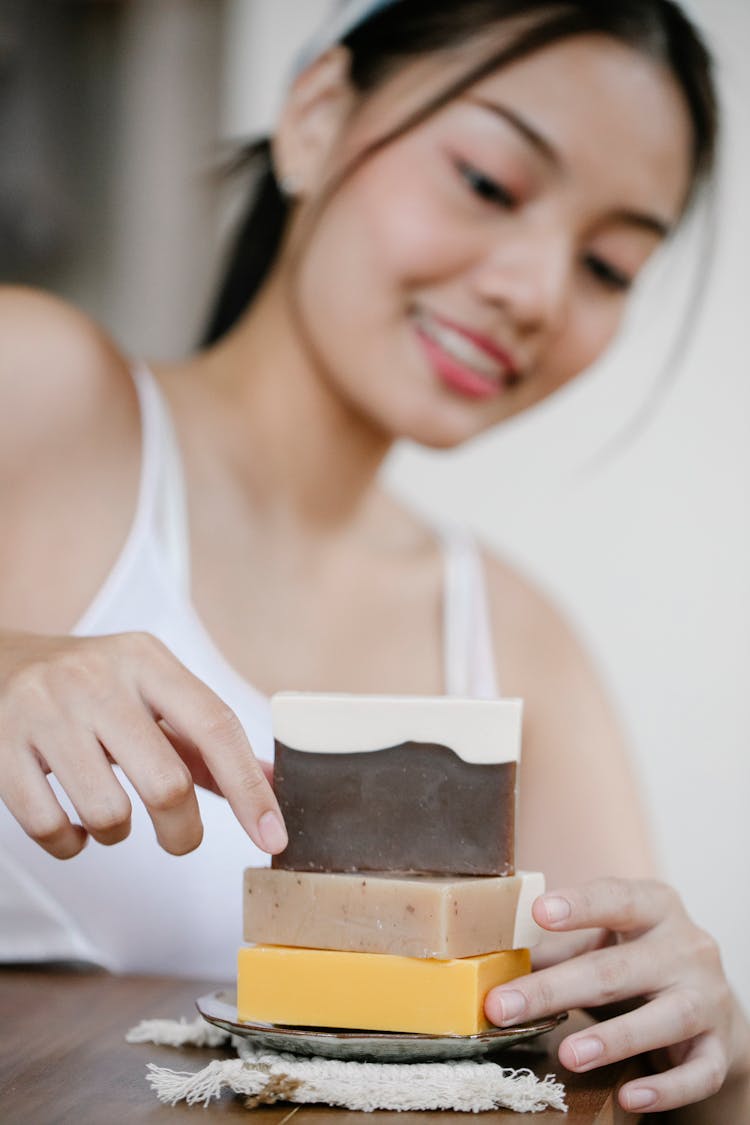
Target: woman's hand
{"x":75,"y":707}
{"x":642,"y":946}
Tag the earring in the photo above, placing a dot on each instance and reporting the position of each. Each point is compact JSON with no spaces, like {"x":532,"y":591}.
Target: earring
{"x":289,"y":186}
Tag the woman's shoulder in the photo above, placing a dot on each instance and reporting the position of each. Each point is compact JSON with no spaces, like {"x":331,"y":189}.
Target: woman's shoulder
{"x":59,"y":373}
{"x":43,"y":332}
{"x":578,"y":780}
{"x":539,"y":649}
{"x":69,"y":459}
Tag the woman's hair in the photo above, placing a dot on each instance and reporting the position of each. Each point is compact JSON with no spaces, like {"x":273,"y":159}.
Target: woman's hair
{"x":404,"y":31}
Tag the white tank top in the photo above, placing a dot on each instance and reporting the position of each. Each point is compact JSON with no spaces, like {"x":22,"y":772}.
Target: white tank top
{"x":133,"y":907}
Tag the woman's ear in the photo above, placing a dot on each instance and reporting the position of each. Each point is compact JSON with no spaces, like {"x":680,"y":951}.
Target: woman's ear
{"x":311,"y":123}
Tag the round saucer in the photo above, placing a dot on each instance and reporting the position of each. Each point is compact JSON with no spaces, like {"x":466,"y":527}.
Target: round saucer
{"x":220,"y":1008}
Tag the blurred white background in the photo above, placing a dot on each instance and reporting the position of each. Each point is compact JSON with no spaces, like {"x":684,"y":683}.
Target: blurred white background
{"x":646,"y":547}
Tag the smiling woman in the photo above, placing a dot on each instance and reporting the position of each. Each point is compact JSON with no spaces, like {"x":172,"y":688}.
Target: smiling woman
{"x":518,"y":250}
{"x":456,"y":204}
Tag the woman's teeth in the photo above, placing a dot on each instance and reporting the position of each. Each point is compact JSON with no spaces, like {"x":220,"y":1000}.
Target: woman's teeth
{"x":461,"y":349}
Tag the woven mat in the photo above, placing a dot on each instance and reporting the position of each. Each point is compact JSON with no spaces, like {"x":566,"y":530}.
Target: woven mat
{"x":264,"y":1077}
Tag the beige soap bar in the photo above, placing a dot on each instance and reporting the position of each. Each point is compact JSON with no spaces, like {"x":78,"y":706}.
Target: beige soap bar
{"x":408,"y":915}
{"x":372,"y":991}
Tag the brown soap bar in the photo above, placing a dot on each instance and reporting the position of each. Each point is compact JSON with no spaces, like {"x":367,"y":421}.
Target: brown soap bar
{"x":397,"y":783}
{"x":405,"y":915}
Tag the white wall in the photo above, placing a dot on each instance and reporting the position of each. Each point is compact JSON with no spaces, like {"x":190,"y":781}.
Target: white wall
{"x":648,"y":551}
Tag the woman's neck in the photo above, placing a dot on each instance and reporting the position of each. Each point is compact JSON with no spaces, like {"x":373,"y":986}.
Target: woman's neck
{"x":308,"y":458}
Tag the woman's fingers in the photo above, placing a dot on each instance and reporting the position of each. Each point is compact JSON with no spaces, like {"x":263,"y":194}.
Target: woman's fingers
{"x":30,"y":799}
{"x":618,"y":972}
{"x":701,"y":1075}
{"x":158,"y":774}
{"x":79,"y":763}
{"x":199,"y":717}
{"x":554,"y":948}
{"x":198,"y":769}
{"x":626,"y":906}
{"x":683,"y":1002}
{"x":76,"y":707}
{"x":672,"y":1017}
{"x":189,"y":754}
{"x":604,"y":976}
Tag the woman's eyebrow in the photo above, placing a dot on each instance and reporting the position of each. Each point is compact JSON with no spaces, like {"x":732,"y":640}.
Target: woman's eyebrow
{"x":532,"y":135}
{"x":651,"y":223}
{"x":654,"y":224}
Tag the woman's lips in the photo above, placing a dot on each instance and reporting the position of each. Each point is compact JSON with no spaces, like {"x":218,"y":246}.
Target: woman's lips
{"x":463,"y":360}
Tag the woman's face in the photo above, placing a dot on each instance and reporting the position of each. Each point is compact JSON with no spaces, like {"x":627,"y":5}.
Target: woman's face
{"x":473,"y":266}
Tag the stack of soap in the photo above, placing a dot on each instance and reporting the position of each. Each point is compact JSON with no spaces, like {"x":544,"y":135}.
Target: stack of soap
{"x":396,"y":905}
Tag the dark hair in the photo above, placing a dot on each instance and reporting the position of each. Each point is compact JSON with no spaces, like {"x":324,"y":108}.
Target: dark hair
{"x":403,"y":31}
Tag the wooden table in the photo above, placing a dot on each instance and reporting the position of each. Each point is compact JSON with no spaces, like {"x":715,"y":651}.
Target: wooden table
{"x":64,"y":1059}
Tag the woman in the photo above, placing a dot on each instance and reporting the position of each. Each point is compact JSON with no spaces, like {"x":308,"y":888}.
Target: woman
{"x":469,"y":192}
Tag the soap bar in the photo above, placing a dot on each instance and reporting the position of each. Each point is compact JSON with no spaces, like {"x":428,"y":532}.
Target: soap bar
{"x":397,"y":783}
{"x":370,"y":991}
{"x":409,"y":915}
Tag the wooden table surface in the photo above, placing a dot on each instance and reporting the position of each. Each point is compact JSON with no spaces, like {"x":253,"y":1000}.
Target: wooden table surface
{"x":64,"y":1059}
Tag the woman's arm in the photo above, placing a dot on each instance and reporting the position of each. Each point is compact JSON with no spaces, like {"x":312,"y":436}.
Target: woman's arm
{"x":74,"y":706}
{"x":618,"y":937}
{"x":69,"y":459}
{"x":581,"y":814}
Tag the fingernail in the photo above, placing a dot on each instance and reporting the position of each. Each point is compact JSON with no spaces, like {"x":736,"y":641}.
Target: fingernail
{"x":640,"y":1099}
{"x":586,"y":1050}
{"x":272,"y":833}
{"x":558,"y":909}
{"x":512,"y":1005}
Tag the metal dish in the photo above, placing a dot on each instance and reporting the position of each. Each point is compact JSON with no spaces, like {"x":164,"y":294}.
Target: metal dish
{"x":220,"y":1009}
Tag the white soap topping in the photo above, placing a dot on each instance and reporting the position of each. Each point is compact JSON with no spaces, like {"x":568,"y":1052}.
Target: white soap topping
{"x":480,"y":731}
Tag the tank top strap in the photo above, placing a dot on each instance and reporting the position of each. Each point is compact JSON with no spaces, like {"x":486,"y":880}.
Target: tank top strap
{"x":163,"y":472}
{"x":468,"y":650}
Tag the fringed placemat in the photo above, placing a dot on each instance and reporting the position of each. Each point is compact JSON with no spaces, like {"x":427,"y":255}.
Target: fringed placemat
{"x":265,"y":1077}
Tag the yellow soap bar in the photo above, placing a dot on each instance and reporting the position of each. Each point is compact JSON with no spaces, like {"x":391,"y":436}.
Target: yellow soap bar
{"x":373,"y":991}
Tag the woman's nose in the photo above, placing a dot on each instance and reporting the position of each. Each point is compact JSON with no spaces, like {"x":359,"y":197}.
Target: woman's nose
{"x":529,"y":275}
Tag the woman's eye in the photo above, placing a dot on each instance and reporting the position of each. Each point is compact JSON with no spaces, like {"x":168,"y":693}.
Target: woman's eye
{"x":609,"y":276}
{"x":485,"y":187}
